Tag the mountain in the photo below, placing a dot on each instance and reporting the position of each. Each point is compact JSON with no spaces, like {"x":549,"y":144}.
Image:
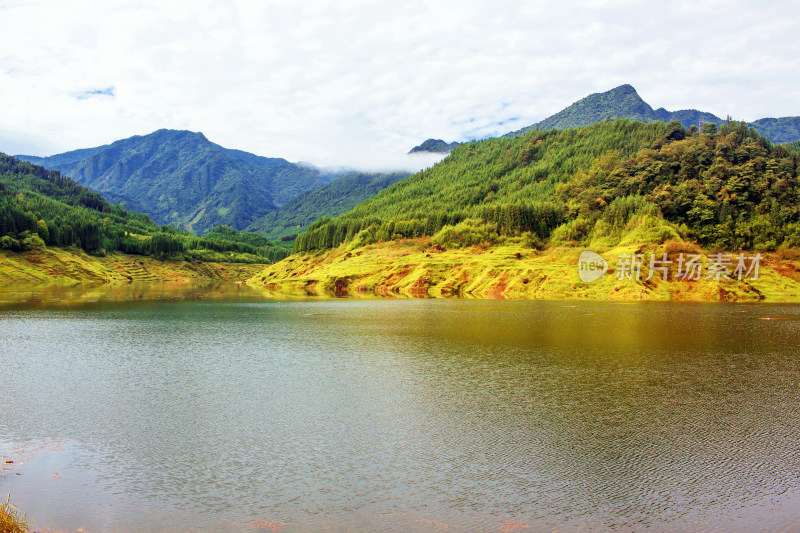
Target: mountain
{"x":434,"y":146}
{"x":625,"y":102}
{"x":330,"y":200}
{"x":40,"y":207}
{"x":615,"y":179}
{"x":779,"y":130}
{"x":183,"y":179}
{"x":687,"y":215}
{"x":620,"y":102}
{"x":61,"y":160}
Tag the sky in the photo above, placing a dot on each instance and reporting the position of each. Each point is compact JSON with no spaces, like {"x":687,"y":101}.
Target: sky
{"x":359,"y":83}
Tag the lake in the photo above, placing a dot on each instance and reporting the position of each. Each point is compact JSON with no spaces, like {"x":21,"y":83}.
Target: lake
{"x":229,"y":412}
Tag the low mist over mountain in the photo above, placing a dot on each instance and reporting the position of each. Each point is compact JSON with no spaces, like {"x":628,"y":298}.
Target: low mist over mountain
{"x":182,"y":178}
{"x":603,"y":183}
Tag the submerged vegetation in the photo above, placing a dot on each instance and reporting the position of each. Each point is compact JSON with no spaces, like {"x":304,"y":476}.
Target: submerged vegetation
{"x":39,"y":208}
{"x":610,"y":183}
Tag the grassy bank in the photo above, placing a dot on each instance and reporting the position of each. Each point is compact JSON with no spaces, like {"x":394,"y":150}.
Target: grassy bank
{"x":416,"y":268}
{"x":11,"y":521}
{"x":59,"y":266}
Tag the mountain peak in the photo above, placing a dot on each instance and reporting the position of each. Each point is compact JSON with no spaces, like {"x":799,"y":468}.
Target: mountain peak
{"x":434,"y":146}
{"x":623,"y":90}
{"x":621,"y":101}
{"x":178,"y":134}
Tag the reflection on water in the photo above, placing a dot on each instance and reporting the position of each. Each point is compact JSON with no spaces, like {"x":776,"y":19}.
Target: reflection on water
{"x":403,"y":415}
{"x":54,"y":296}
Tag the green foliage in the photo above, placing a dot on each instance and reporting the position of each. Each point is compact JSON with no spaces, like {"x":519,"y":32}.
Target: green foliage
{"x":793,"y":147}
{"x":9,"y":243}
{"x":467,"y":233}
{"x":183,"y":179}
{"x":226,"y":233}
{"x":573,"y":231}
{"x":649,"y":228}
{"x":32,"y":241}
{"x":778,"y":130}
{"x":508,"y":181}
{"x":39,"y":207}
{"x":330,"y":200}
{"x":730,"y":188}
{"x":613,"y":182}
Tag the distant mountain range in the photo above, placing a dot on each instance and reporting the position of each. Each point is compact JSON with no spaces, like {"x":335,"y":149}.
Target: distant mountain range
{"x":330,"y":200}
{"x":41,"y":208}
{"x":625,"y":102}
{"x":182,"y":178}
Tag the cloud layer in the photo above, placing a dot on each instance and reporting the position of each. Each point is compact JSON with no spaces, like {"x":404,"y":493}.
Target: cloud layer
{"x":361,"y":82}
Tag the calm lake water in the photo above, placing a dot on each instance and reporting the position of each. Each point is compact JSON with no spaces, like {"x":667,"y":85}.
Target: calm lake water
{"x":242,"y":414}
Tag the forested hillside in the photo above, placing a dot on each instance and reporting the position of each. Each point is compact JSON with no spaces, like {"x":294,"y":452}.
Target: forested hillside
{"x":40,"y":207}
{"x":727,"y":187}
{"x":330,"y":200}
{"x":183,"y":179}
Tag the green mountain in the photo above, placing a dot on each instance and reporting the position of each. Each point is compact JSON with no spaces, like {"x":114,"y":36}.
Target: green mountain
{"x":330,"y":200}
{"x":40,"y":207}
{"x":434,"y":146}
{"x":727,"y":187}
{"x":625,"y":102}
{"x":61,"y":160}
{"x":183,"y":179}
{"x":778,"y":130}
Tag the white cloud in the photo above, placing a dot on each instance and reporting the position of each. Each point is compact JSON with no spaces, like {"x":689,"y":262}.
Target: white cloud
{"x":360,"y":83}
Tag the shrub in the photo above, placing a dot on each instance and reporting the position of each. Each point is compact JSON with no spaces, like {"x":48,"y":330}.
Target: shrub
{"x":10,"y":243}
{"x":32,"y":241}
{"x":573,"y":231}
{"x":10,"y":519}
{"x":649,"y":228}
{"x":466,"y":233}
{"x":673,"y":246}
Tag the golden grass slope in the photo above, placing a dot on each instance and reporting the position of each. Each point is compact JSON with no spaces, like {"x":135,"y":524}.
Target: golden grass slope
{"x":415,"y":268}
{"x":56,"y":266}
